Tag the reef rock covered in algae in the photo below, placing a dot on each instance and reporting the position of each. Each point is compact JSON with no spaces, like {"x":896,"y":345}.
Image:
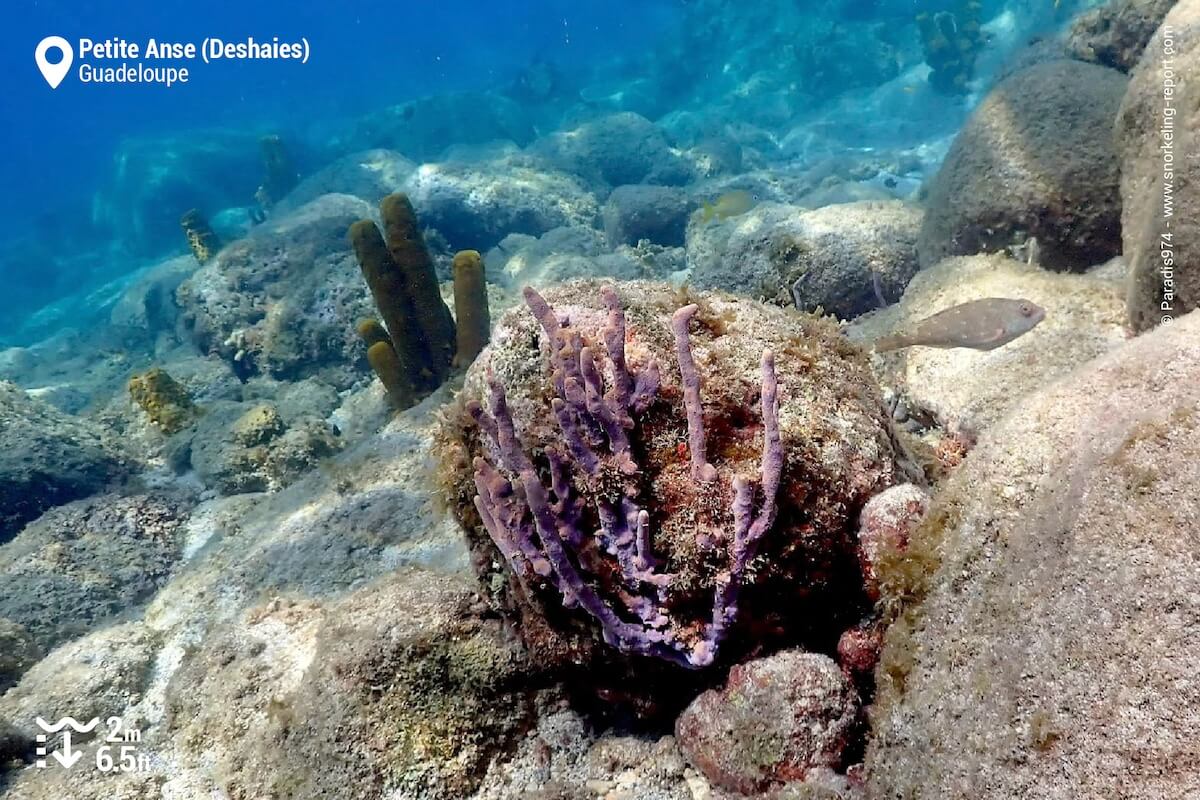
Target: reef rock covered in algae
{"x":1156,"y":137}
{"x":48,"y":458}
{"x":395,"y":690}
{"x":1008,"y":177}
{"x":1052,"y":651}
{"x":618,"y":467}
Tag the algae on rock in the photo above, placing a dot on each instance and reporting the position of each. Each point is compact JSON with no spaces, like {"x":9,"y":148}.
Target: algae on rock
{"x":164,"y":400}
{"x":1048,"y":601}
{"x":200,"y":236}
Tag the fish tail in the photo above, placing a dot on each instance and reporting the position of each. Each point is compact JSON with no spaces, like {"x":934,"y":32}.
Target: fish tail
{"x":893,"y":342}
{"x":709,"y":212}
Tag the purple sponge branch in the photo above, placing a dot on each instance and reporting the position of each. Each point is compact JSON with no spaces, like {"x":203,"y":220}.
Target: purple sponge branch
{"x":701,"y":469}
{"x":614,"y":343}
{"x":540,"y":531}
{"x":749,"y":529}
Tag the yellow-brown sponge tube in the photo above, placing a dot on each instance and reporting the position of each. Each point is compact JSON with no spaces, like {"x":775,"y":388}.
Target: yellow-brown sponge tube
{"x":409,"y":253}
{"x":392,"y":374}
{"x":371,"y":332}
{"x":474,"y":322}
{"x":387,"y":287}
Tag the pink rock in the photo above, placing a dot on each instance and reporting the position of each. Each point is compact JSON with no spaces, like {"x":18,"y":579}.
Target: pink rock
{"x":776,"y":719}
{"x":858,"y":649}
{"x":887,"y":521}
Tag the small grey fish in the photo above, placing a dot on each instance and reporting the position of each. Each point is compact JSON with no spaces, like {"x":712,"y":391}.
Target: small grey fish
{"x":979,"y":324}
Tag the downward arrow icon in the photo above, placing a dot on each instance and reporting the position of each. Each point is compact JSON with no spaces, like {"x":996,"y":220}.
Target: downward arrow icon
{"x":67,"y":757}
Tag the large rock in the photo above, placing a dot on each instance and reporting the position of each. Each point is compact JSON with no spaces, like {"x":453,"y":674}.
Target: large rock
{"x":18,"y":652}
{"x":397,"y":685}
{"x":1051,"y":650}
{"x":156,"y":179}
{"x":520,"y":259}
{"x":474,"y":205}
{"x":565,"y":756}
{"x":575,"y":252}
{"x":98,"y":675}
{"x":364,"y":512}
{"x":147,"y":306}
{"x":250,"y":447}
{"x":281,"y":613}
{"x":1164,"y":255}
{"x":1116,"y":33}
{"x":423,"y":128}
{"x":825,"y":258}
{"x":47,"y":458}
{"x":1010,"y":176}
{"x":618,"y":149}
{"x":776,"y":720}
{"x":84,"y":564}
{"x":642,"y":211}
{"x":967,"y":391}
{"x":284,"y":301}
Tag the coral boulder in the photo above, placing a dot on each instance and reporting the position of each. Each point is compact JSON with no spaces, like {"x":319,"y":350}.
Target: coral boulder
{"x":283,"y":301}
{"x":1116,"y":33}
{"x":666,"y":470}
{"x":1157,"y":138}
{"x":47,"y":458}
{"x":845,"y":259}
{"x":1035,"y":160}
{"x":775,"y":720}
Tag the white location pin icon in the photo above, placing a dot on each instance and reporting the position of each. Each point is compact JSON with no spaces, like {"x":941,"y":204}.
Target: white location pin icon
{"x":54,"y":73}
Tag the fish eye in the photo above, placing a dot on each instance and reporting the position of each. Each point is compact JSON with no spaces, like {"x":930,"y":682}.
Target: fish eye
{"x":1026,"y":310}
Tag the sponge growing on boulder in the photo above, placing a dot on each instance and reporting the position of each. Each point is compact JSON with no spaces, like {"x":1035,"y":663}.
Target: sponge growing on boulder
{"x":639,"y":474}
{"x":164,"y":400}
{"x":416,"y":352}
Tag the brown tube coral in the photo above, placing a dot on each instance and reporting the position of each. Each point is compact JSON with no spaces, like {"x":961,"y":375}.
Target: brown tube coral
{"x":372,"y":332}
{"x":411,"y":257}
{"x":386,"y":364}
{"x":392,"y":374}
{"x":471,"y":313}
{"x":391,"y":298}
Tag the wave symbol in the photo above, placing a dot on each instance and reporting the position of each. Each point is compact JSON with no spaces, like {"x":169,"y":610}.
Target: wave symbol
{"x":64,"y":722}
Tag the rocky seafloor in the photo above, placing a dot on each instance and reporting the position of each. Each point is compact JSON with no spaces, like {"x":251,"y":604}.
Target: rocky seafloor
{"x":678,"y":532}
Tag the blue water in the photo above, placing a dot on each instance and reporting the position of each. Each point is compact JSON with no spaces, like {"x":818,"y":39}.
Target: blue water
{"x":778,"y":66}
{"x":58,"y":145}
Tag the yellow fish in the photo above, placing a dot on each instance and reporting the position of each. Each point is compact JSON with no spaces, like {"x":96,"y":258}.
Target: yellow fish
{"x":730,"y":204}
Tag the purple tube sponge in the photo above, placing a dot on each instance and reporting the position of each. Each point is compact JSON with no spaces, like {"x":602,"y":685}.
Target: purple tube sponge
{"x":545,"y":532}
